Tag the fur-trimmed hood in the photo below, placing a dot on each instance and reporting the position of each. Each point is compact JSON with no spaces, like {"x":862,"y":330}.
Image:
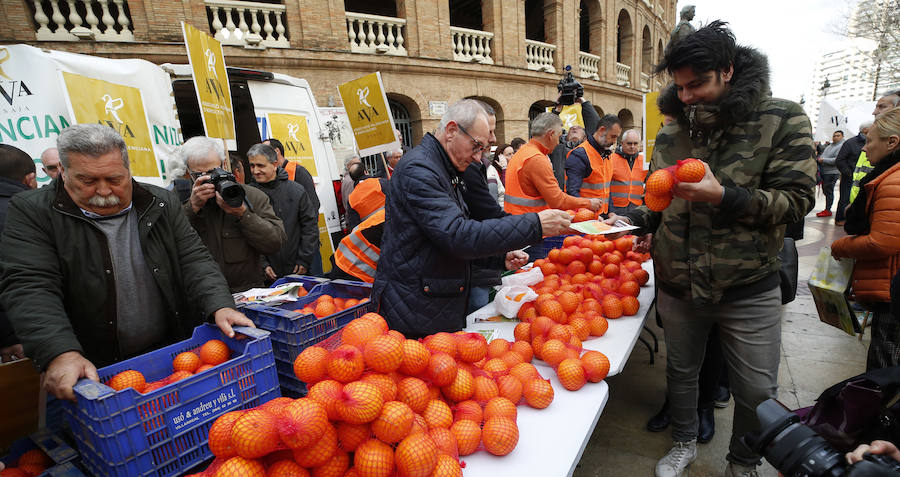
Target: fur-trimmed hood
{"x":748,"y":85}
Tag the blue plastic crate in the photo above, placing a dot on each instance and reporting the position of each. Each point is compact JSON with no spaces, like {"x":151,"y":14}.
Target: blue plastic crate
{"x":52,"y":444}
{"x":165,"y":432}
{"x":292,"y":332}
{"x":308,"y":282}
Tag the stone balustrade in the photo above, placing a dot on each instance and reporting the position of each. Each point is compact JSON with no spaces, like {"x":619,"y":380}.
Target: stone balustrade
{"x":588,"y":65}
{"x":376,"y":34}
{"x":472,"y":45}
{"x":248,"y":23}
{"x":645,"y":82}
{"x":623,"y":74}
{"x":73,"y":20}
{"x":539,"y":56}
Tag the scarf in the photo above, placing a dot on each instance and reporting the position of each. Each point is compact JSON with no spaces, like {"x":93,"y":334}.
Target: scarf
{"x":857,"y":214}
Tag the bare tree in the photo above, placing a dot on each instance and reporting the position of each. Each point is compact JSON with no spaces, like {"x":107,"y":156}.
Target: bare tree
{"x":879,"y":21}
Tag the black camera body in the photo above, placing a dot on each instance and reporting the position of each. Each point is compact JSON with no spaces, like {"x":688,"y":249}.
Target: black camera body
{"x":227,"y":186}
{"x":569,"y":88}
{"x":797,"y":451}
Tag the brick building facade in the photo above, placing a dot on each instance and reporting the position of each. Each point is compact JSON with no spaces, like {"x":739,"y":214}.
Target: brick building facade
{"x":509,"y":53}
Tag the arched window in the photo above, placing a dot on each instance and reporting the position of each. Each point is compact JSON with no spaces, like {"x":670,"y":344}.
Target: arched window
{"x":624,"y":39}
{"x":401,"y":120}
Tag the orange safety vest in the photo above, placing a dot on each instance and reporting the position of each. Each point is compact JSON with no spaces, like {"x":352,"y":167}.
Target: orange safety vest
{"x":515,"y":200}
{"x":627,"y":185}
{"x":596,"y":185}
{"x":367,"y":198}
{"x":291,"y":168}
{"x":356,"y":255}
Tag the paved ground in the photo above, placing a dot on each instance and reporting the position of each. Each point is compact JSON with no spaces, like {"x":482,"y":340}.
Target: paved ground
{"x":813,"y":357}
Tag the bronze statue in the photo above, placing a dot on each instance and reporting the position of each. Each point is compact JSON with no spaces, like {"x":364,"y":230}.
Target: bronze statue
{"x":684,"y":27}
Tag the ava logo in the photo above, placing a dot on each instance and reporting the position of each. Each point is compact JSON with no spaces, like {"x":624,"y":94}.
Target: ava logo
{"x":369,"y":111}
{"x":111,"y":107}
{"x":292,"y":131}
{"x":363,"y":94}
{"x":211,"y":62}
{"x":213,"y":85}
{"x":11,"y":89}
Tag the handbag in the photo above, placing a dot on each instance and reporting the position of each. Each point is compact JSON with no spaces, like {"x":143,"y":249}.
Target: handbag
{"x":828,"y":285}
{"x":789,"y":270}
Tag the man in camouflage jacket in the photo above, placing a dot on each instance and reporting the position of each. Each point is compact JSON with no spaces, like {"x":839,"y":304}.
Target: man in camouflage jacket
{"x":715,"y":247}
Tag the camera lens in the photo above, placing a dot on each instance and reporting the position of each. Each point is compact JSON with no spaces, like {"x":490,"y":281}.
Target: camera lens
{"x":232,"y":193}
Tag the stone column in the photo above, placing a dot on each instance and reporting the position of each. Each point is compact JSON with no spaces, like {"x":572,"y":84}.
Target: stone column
{"x":427,"y":28}
{"x":319,"y":24}
{"x":506,"y":20}
{"x":559,"y":16}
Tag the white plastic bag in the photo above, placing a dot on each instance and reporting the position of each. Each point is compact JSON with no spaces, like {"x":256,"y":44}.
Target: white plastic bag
{"x":510,"y":298}
{"x":524,"y":279}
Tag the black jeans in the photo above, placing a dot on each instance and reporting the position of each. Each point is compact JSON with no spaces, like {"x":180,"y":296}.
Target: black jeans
{"x":828,"y":181}
{"x":844,"y":198}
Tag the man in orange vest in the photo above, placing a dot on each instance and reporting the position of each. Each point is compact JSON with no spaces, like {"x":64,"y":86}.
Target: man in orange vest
{"x":358,"y":252}
{"x":588,"y":167}
{"x":530,"y":183}
{"x":627,"y":186}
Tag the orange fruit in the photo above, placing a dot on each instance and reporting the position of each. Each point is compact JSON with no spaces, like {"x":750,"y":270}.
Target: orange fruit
{"x":336,"y":466}
{"x":598,"y":324}
{"x":327,"y":393}
{"x":360,"y":402}
{"x":538,"y":393}
{"x":596,"y":366}
{"x":384,"y":353}
{"x":345,"y":363}
{"x":468,"y":436}
{"x":385,"y":384}
{"x":302,"y":423}
{"x":150,"y":387}
{"x":500,"y":435}
{"x":541,"y":326}
{"x":360,"y":331}
{"x":324,"y":308}
{"x":220,"y":435}
{"x":394,"y":422}
{"x":187,"y":361}
{"x":468,"y":410}
{"x":524,"y":372}
{"x":522,"y":331}
{"x":660,"y":182}
{"x":497,"y":347}
{"x":552,"y":309}
{"x":240,"y":466}
{"x":441,"y":343}
{"x":414,"y":392}
{"x":612,"y":307}
{"x":462,"y":387}
{"x":255,"y":434}
{"x":415,"y":358}
{"x":471,"y":347}
{"x":374,"y":458}
{"x":495,"y":366}
{"x":277,"y":405}
{"x":537,"y":346}
{"x":511,"y":358}
{"x":527,"y":313}
{"x":657,"y":203}
{"x":500,"y":407}
{"x":204,"y":367}
{"x":523,"y":349}
{"x":309,"y":366}
{"x":35,"y":457}
{"x":690,"y":170}
{"x":416,"y":456}
{"x":442,"y":369}
{"x":630,"y":305}
{"x":630,"y":288}
{"x":420,"y":426}
{"x":510,"y":387}
{"x":214,"y":352}
{"x":350,"y":436}
{"x":320,"y":452}
{"x":571,"y":374}
{"x":445,"y":441}
{"x":641,"y":276}
{"x":177,"y":376}
{"x":485,"y":389}
{"x":560,"y":332}
{"x":582,"y":215}
{"x":569,"y":301}
{"x":581,"y":328}
{"x":553,"y":352}
{"x":286,"y":468}
{"x":447,"y":466}
{"x":128,"y":379}
{"x":438,"y":414}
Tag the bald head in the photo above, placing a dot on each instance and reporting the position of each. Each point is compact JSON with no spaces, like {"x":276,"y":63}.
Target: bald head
{"x":50,"y":162}
{"x":631,"y":142}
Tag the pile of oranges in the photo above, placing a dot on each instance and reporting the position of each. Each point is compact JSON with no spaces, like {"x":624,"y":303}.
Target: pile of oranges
{"x":32,"y":463}
{"x":382,"y":405}
{"x":210,"y":354}
{"x":583,"y":215}
{"x":327,"y":305}
{"x":659,"y":184}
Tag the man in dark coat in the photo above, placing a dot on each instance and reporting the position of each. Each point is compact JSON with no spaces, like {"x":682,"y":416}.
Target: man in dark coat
{"x":422,"y":281}
{"x":17,"y":174}
{"x":846,"y":163}
{"x":293,"y":206}
{"x":96,"y":267}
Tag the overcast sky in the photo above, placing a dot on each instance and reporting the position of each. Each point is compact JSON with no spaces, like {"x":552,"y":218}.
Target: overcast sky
{"x":792,"y":33}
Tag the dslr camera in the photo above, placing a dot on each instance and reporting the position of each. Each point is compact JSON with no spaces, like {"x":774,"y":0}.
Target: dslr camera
{"x":569,"y":88}
{"x":226,"y":185}
{"x":797,"y":451}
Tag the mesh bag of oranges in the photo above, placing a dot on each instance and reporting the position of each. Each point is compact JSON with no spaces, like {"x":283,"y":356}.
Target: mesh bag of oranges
{"x":659,"y":184}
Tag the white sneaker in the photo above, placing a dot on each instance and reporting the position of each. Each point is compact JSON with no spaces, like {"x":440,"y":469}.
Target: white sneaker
{"x":737,"y":470}
{"x":676,"y":461}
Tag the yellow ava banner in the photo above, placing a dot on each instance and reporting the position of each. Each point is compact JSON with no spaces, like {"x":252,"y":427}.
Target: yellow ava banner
{"x":570,"y":115}
{"x":293,"y":131}
{"x":119,"y":107}
{"x":369,"y":114}
{"x":211,"y":82}
{"x":653,"y":122}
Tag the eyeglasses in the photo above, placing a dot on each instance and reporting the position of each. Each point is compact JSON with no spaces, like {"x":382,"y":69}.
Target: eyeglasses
{"x":195,"y":175}
{"x":478,"y":147}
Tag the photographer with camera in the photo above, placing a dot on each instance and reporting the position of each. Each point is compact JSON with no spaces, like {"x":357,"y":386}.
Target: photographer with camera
{"x":571,"y":92}
{"x":236,"y":222}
